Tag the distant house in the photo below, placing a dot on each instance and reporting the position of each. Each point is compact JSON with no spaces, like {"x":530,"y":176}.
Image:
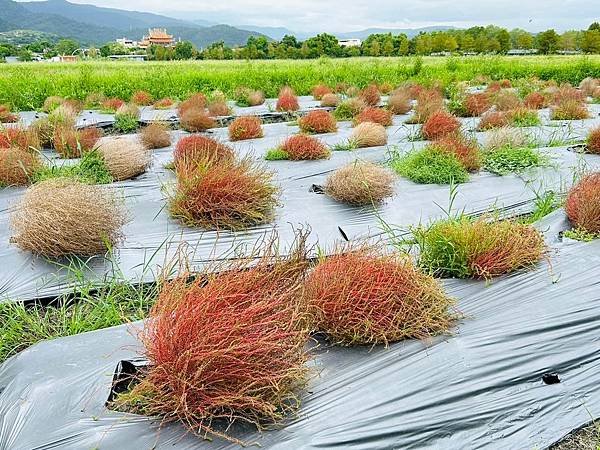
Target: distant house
{"x":521,"y":51}
{"x":569,"y":52}
{"x":127,"y":43}
{"x":349,"y":42}
{"x":64,"y":58}
{"x":157,"y":36}
{"x":128,"y":57}
{"x":440,"y":54}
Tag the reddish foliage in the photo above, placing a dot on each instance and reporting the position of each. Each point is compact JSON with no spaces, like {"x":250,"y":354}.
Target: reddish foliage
{"x":374,"y":115}
{"x":415,"y":90}
{"x":17,"y":166}
{"x":218,"y":108}
{"x":364,"y":297}
{"x":195,"y":120}
{"x":227,"y":346}
{"x":318,"y":121}
{"x":535,"y":100}
{"x":505,"y":100}
{"x":25,"y":139}
{"x":593,"y":141}
{"x":164,"y":103}
{"x":287,"y":101}
{"x":6,"y":116}
{"x":440,"y":124}
{"x":300,"y":147}
{"x":477,"y":104}
{"x":370,"y":95}
{"x":493,"y":119}
{"x":192,"y":151}
{"x":466,"y":151}
{"x":583,"y":204}
{"x":385,"y":87}
{"x":112,"y":104}
{"x":71,"y":143}
{"x":341,"y":88}
{"x":567,"y":93}
{"x":319,"y":91}
{"x":248,"y":127}
{"x":141,"y":98}
{"x":229,"y":194}
{"x":429,"y":101}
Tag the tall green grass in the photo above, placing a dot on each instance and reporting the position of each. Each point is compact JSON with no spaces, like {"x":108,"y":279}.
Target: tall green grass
{"x":26,"y":85}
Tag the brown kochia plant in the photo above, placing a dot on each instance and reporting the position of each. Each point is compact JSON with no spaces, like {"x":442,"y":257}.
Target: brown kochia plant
{"x":124,"y":158}
{"x":155,"y":135}
{"x":360,"y":183}
{"x":227,"y":346}
{"x":583,"y":204}
{"x":61,"y":217}
{"x":363,"y":295}
{"x":369,"y":134}
{"x":17,"y":166}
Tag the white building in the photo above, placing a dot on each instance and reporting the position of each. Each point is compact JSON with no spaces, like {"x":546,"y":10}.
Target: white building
{"x":349,"y":42}
{"x":127,"y":43}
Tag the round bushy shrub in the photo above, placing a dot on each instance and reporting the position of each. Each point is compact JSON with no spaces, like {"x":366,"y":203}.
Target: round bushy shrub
{"x":330,"y":100}
{"x":61,"y":217}
{"x":476,"y":104}
{"x":112,"y":104}
{"x":26,"y":139}
{"x":246,"y":127}
{"x":440,"y":124}
{"x":155,"y":135}
{"x":318,"y":121}
{"x":368,"y":134}
{"x":302,"y":147}
{"x":364,"y":296}
{"x":399,"y":102}
{"x":583,"y":204}
{"x":360,"y":183}
{"x":430,"y":165}
{"x":374,"y":115}
{"x":493,"y":119}
{"x":319,"y":91}
{"x":370,"y":95}
{"x":465,"y":150}
{"x":349,"y":108}
{"x":197,"y":150}
{"x":195,"y":120}
{"x":141,"y":98}
{"x":17,"y":166}
{"x":593,"y":141}
{"x":71,"y":143}
{"x":287,"y":101}
{"x":535,"y":100}
{"x":164,"y":103}
{"x":124,"y":158}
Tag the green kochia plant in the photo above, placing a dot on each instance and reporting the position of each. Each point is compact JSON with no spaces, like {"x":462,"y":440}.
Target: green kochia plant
{"x":276,"y":154}
{"x":507,"y":159}
{"x":429,"y":166}
{"x":126,"y":123}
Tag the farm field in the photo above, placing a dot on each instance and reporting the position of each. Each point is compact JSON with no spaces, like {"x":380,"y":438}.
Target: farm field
{"x":215,"y":254}
{"x":26,"y":85}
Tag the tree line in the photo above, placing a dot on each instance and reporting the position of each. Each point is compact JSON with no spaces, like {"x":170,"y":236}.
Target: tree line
{"x":474,"y":40}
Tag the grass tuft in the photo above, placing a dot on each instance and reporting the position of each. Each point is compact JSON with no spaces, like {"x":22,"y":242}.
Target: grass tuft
{"x":430,"y":165}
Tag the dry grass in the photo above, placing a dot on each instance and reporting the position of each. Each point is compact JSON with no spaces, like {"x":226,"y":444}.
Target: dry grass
{"x":63,"y":217}
{"x":362,"y":295}
{"x":505,"y":137}
{"x":583,"y":204}
{"x":369,"y":134}
{"x":219,"y":108}
{"x":94,"y":100}
{"x":593,"y":141}
{"x":196,"y":151}
{"x":6,"y":116}
{"x":246,"y":127}
{"x":506,"y":100}
{"x":569,"y":110}
{"x":374,"y":115}
{"x":124,"y":158}
{"x":195,"y":120}
{"x":155,"y":135}
{"x":234,"y":195}
{"x":439,"y":124}
{"x":588,"y":85}
{"x":318,"y":121}
{"x":330,"y":100}
{"x":228,"y":346}
{"x":360,"y":183}
{"x":112,"y":104}
{"x":399,"y":102}
{"x":302,"y":147}
{"x":17,"y":166}
{"x":128,"y":109}
{"x":51,"y":103}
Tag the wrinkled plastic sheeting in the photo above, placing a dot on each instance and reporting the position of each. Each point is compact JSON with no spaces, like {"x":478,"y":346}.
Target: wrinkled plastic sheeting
{"x":480,"y":387}
{"x":153,"y":238}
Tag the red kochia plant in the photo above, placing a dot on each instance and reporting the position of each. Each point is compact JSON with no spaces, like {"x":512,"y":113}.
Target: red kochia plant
{"x":233,"y":195}
{"x":247,"y":127}
{"x":465,"y":150}
{"x":17,"y":166}
{"x":71,"y":143}
{"x":374,"y":115}
{"x":141,"y":98}
{"x":195,"y":120}
{"x":228,"y":346}
{"x":23,"y":138}
{"x":319,"y":91}
{"x":477,"y":104}
{"x":300,"y":147}
{"x":112,"y":104}
{"x":534,"y":100}
{"x":287,"y":101}
{"x":370,"y":95}
{"x":164,"y":103}
{"x":429,"y":101}
{"x":6,"y":116}
{"x":593,"y":141}
{"x":318,"y":121}
{"x":583,"y":204}
{"x":197,"y":149}
{"x":361,"y":295}
{"x":195,"y":101}
{"x":440,"y":124}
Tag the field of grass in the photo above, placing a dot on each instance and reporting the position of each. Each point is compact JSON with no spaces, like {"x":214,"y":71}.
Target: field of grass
{"x":26,"y":85}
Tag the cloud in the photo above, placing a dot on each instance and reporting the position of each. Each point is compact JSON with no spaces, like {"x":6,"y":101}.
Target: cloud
{"x":348,"y":15}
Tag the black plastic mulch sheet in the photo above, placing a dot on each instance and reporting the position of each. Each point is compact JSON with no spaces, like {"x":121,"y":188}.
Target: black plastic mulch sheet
{"x":152,"y":238}
{"x":481,"y":387}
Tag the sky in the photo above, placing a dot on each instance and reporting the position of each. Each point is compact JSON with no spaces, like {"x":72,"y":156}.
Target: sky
{"x":349,"y":15}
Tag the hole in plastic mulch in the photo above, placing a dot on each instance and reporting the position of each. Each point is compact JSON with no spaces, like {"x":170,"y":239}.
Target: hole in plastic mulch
{"x":551,"y":378}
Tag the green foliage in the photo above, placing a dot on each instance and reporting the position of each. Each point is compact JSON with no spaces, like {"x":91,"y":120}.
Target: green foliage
{"x":276,"y":154}
{"x":579,"y":234}
{"x":126,"y":123}
{"x":345,"y":146}
{"x":90,"y":170}
{"x":429,"y":166}
{"x":524,"y":118}
{"x":508,"y":160}
{"x":544,"y":204}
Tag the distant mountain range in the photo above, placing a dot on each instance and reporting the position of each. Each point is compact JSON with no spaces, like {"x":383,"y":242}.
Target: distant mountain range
{"x":93,"y":25}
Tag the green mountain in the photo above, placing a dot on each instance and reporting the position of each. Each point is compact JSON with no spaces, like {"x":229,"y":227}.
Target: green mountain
{"x":92,"y":25}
